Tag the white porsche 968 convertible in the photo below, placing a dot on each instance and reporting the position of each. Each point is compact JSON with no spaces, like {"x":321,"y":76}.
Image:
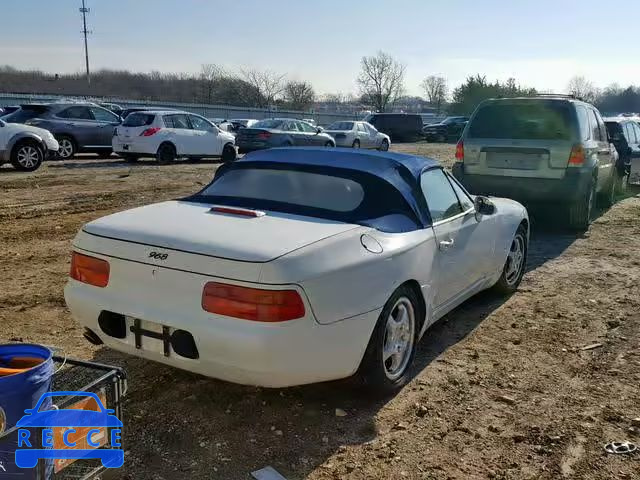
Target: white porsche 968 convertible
{"x":295,"y":266}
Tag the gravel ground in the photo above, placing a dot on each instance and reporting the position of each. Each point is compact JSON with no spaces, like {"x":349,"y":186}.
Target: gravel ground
{"x":502,"y":388}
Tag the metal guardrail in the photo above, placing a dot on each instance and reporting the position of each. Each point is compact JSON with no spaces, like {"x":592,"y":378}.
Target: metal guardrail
{"x":209,"y":111}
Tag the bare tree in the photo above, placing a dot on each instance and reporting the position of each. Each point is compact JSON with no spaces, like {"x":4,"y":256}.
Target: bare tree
{"x":381,"y":80}
{"x":299,"y":95}
{"x":210,"y":73}
{"x":436,"y":90}
{"x":268,"y":84}
{"x":582,"y":88}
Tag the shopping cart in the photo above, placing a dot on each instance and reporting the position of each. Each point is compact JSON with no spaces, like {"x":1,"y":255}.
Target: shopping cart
{"x":109,"y":383}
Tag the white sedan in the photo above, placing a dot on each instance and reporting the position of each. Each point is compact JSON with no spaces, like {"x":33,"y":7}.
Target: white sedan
{"x":358,"y":135}
{"x":295,"y":266}
{"x":167,"y":135}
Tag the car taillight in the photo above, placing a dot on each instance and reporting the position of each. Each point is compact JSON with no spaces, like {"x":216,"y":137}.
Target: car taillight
{"x":89,"y":270}
{"x":253,"y":304}
{"x":150,"y":131}
{"x":576,"y":158}
{"x":460,"y":151}
{"x":264,"y":135}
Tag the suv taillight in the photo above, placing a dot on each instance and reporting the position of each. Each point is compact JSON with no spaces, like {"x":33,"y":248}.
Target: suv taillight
{"x":253,"y":304}
{"x":577,"y":156}
{"x":150,"y":131}
{"x":460,"y":151}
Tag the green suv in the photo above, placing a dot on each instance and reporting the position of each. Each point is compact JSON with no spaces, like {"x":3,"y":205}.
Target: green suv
{"x":543,"y":149}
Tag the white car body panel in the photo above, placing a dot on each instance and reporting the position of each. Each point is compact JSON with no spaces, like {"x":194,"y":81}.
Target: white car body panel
{"x":188,"y":142}
{"x":10,"y":130}
{"x":344,"y":286}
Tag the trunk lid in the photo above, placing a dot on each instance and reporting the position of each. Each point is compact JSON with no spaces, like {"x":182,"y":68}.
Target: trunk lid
{"x":185,"y":227}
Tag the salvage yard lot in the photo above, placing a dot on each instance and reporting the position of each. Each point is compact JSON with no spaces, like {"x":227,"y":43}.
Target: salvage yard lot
{"x":503,"y":388}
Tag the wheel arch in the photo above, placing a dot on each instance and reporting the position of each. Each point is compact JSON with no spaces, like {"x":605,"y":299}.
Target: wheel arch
{"x":22,"y":137}
{"x":167,"y":142}
{"x":414,"y":285}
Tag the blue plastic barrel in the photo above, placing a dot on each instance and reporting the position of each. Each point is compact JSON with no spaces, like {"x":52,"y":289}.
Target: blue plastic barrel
{"x":17,"y":392}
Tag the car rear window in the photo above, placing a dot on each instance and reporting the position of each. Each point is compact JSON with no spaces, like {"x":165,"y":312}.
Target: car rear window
{"x":290,"y":186}
{"x":138,"y":120}
{"x":25,"y":113}
{"x":268,"y":124}
{"x":324,"y":192}
{"x":341,"y":126}
{"x":530,"y":121}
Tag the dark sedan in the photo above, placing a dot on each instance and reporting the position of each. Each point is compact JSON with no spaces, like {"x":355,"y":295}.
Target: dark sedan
{"x":449,"y":129}
{"x":281,"y":132}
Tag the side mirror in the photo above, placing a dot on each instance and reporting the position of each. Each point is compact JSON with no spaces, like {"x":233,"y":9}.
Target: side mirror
{"x":319,"y":130}
{"x":484,"y":206}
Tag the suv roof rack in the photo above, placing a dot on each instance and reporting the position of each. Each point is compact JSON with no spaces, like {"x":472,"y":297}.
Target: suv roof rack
{"x":560,"y":95}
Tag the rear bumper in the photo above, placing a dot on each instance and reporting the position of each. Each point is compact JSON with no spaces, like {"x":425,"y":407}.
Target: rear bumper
{"x":573,"y":186}
{"x":134,"y":146}
{"x":250,"y":353}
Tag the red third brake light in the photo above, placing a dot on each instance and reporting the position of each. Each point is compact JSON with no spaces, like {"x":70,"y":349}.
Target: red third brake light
{"x":576,"y":158}
{"x":264,"y":135}
{"x":150,"y":131}
{"x":460,"y":151}
{"x":253,"y":304}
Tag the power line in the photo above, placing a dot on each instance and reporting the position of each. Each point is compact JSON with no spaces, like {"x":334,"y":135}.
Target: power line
{"x":84,"y":10}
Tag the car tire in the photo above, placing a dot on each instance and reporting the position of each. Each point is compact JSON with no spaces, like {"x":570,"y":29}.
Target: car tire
{"x":67,"y":147}
{"x":130,"y":158}
{"x":581,"y":210}
{"x":27,"y":156}
{"x":384,"y":146}
{"x":229,"y":153}
{"x":515,"y":264}
{"x":356,"y":143}
{"x":386,"y":375}
{"x":329,"y":144}
{"x":166,"y":154}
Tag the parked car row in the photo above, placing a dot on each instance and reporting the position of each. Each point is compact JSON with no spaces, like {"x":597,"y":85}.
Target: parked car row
{"x":547,"y":149}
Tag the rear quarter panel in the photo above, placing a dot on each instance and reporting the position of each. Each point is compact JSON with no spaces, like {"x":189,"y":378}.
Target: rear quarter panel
{"x":342,"y":279}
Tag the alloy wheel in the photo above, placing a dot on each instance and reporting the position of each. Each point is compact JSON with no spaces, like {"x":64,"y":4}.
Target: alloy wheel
{"x":28,"y":156}
{"x":398,"y":338}
{"x":515,"y":259}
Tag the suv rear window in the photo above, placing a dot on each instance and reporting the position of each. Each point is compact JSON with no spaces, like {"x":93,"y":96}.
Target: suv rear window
{"x":525,"y":121}
{"x":25,"y":113}
{"x":138,"y":120}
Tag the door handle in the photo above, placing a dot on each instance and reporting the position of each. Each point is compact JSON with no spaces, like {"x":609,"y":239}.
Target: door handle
{"x":446,"y":244}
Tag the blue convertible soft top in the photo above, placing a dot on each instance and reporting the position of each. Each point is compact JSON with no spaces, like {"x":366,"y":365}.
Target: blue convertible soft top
{"x":379,"y":170}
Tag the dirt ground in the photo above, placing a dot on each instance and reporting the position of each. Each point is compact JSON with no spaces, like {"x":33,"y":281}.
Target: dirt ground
{"x":502,"y":388}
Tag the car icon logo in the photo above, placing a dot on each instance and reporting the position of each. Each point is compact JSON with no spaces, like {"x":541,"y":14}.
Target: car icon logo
{"x":71,"y":420}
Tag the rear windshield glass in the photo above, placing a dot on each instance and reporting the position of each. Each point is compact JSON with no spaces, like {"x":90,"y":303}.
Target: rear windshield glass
{"x":329,"y":193}
{"x":24,"y":114}
{"x":267,"y":124}
{"x":530,"y":121}
{"x":341,"y":126}
{"x":138,"y":120}
{"x":292,"y":187}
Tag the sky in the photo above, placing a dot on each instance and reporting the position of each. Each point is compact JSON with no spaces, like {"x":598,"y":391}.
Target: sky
{"x":541,"y":43}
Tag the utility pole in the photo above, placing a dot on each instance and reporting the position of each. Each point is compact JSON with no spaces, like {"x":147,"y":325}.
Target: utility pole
{"x":84,"y":10}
